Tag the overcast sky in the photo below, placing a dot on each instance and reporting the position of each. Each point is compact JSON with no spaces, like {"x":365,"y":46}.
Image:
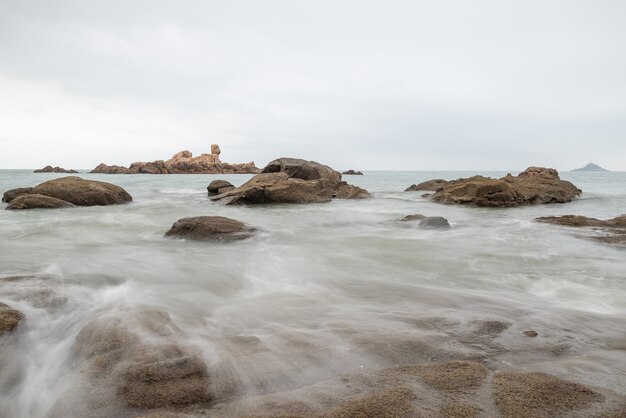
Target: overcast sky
{"x":406,"y":85}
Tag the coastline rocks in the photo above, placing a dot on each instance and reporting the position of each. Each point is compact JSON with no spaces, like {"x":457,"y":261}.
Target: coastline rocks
{"x":82,"y":192}
{"x":50,"y":169}
{"x":13,"y":193}
{"x":9,"y":318}
{"x":210,"y":228}
{"x":429,"y":185}
{"x":292,"y":180}
{"x":182,"y":162}
{"x":614,"y":229}
{"x":434,"y":222}
{"x":37,"y":201}
{"x":535,"y":185}
{"x":214,"y":187}
{"x":352,"y":173}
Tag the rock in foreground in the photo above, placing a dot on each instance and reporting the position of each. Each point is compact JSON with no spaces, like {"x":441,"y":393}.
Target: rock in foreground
{"x":82,"y":192}
{"x":13,"y":193}
{"x":214,"y":187}
{"x":37,"y":201}
{"x":9,"y":318}
{"x":57,"y":169}
{"x":535,"y":185}
{"x":434,"y":222}
{"x":210,"y":228}
{"x":291,"y":180}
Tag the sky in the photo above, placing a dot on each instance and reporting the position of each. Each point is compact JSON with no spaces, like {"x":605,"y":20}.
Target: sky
{"x":367,"y":85}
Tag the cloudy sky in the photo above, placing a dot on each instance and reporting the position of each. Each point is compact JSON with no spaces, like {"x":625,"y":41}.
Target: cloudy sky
{"x":412,"y":85}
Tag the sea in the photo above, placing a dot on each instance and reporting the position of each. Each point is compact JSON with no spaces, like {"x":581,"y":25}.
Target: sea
{"x":317,"y":278}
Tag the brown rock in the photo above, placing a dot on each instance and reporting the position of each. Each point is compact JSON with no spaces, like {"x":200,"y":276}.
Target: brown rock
{"x":539,"y":395}
{"x":13,"y":193}
{"x":102,"y":168}
{"x":82,"y":192}
{"x":291,"y":180}
{"x":352,"y":173}
{"x":535,"y":185}
{"x":429,"y":185}
{"x":451,"y":376}
{"x":37,"y":201}
{"x":530,"y":333}
{"x":389,"y":403}
{"x":214,"y":187}
{"x":50,"y":169}
{"x":460,"y":410}
{"x":209,"y":228}
{"x":581,"y":221}
{"x":9,"y":318}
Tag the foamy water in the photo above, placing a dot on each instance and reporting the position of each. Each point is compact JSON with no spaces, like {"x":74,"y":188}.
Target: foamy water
{"x":314,"y":279}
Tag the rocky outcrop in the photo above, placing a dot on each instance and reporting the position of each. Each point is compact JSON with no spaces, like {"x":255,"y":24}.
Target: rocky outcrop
{"x":13,"y":193}
{"x":352,"y":173}
{"x":434,"y":222}
{"x":210,"y":228}
{"x":535,"y":185}
{"x":37,"y":201}
{"x":67,"y":192}
{"x":216,"y":185}
{"x":50,"y":169}
{"x":182,"y":162}
{"x":612,"y":231}
{"x":429,"y":185}
{"x":9,"y":318}
{"x":291,"y":180}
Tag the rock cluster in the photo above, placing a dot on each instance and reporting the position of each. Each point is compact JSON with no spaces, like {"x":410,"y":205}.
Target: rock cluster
{"x":182,"y":162}
{"x":535,"y":185}
{"x":210,"y":228}
{"x":352,"y":173}
{"x":50,"y":169}
{"x":66,"y":192}
{"x":613,"y":231}
{"x":291,"y":180}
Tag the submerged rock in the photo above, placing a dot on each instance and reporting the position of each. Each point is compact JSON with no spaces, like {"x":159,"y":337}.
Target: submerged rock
{"x":214,"y":187}
{"x":535,"y":185}
{"x":415,"y":217}
{"x":429,"y":185}
{"x":13,"y":193}
{"x":81,"y":192}
{"x":37,"y":201}
{"x":9,"y":318}
{"x":57,"y":169}
{"x":209,"y":228}
{"x":291,"y":180}
{"x":434,"y":222}
{"x":614,"y":229}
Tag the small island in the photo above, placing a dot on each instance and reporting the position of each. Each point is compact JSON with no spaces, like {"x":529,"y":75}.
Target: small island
{"x":591,"y":167}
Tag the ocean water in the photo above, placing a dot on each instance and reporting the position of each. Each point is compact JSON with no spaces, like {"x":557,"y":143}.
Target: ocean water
{"x":319,"y":285}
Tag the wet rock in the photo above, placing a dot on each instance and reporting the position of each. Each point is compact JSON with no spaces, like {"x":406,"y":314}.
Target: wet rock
{"x":9,"y":318}
{"x":415,"y":217}
{"x":206,"y":228}
{"x":290,"y":180}
{"x":539,"y":395}
{"x":9,"y":195}
{"x":429,"y":185}
{"x":225,"y":189}
{"x":434,"y":222}
{"x":50,"y":169}
{"x":37,"y":201}
{"x":583,"y":221}
{"x":530,"y":333}
{"x":390,"y":403}
{"x":352,"y":173}
{"x":535,"y":185}
{"x":214,"y":187}
{"x":81,"y":192}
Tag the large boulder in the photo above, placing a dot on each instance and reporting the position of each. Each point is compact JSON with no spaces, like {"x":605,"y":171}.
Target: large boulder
{"x":214,"y":187}
{"x":82,"y":192}
{"x":210,"y":228}
{"x":13,"y":193}
{"x":9,"y":318}
{"x":429,"y":185}
{"x":57,"y":169}
{"x":535,"y":185}
{"x":292,"y":180}
{"x":37,"y":201}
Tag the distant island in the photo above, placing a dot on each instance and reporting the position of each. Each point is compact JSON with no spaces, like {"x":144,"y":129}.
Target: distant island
{"x":591,"y":167}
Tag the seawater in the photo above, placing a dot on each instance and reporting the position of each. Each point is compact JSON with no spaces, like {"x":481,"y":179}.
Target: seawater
{"x":318,"y":274}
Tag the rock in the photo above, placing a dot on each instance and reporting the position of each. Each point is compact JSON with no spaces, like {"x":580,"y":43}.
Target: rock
{"x":9,"y":318}
{"x":614,"y":229}
{"x":50,"y":169}
{"x":183,"y":162}
{"x":13,"y":193}
{"x":415,"y":217}
{"x":37,"y":201}
{"x":208,"y":228}
{"x":225,"y":189}
{"x":530,"y":333}
{"x":138,"y":356}
{"x":291,"y":180}
{"x":539,"y":395}
{"x":352,"y":173}
{"x":429,"y":185}
{"x":82,"y":192}
{"x":216,"y":185}
{"x":535,"y":185}
{"x":434,"y":222}
{"x":591,"y":167}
